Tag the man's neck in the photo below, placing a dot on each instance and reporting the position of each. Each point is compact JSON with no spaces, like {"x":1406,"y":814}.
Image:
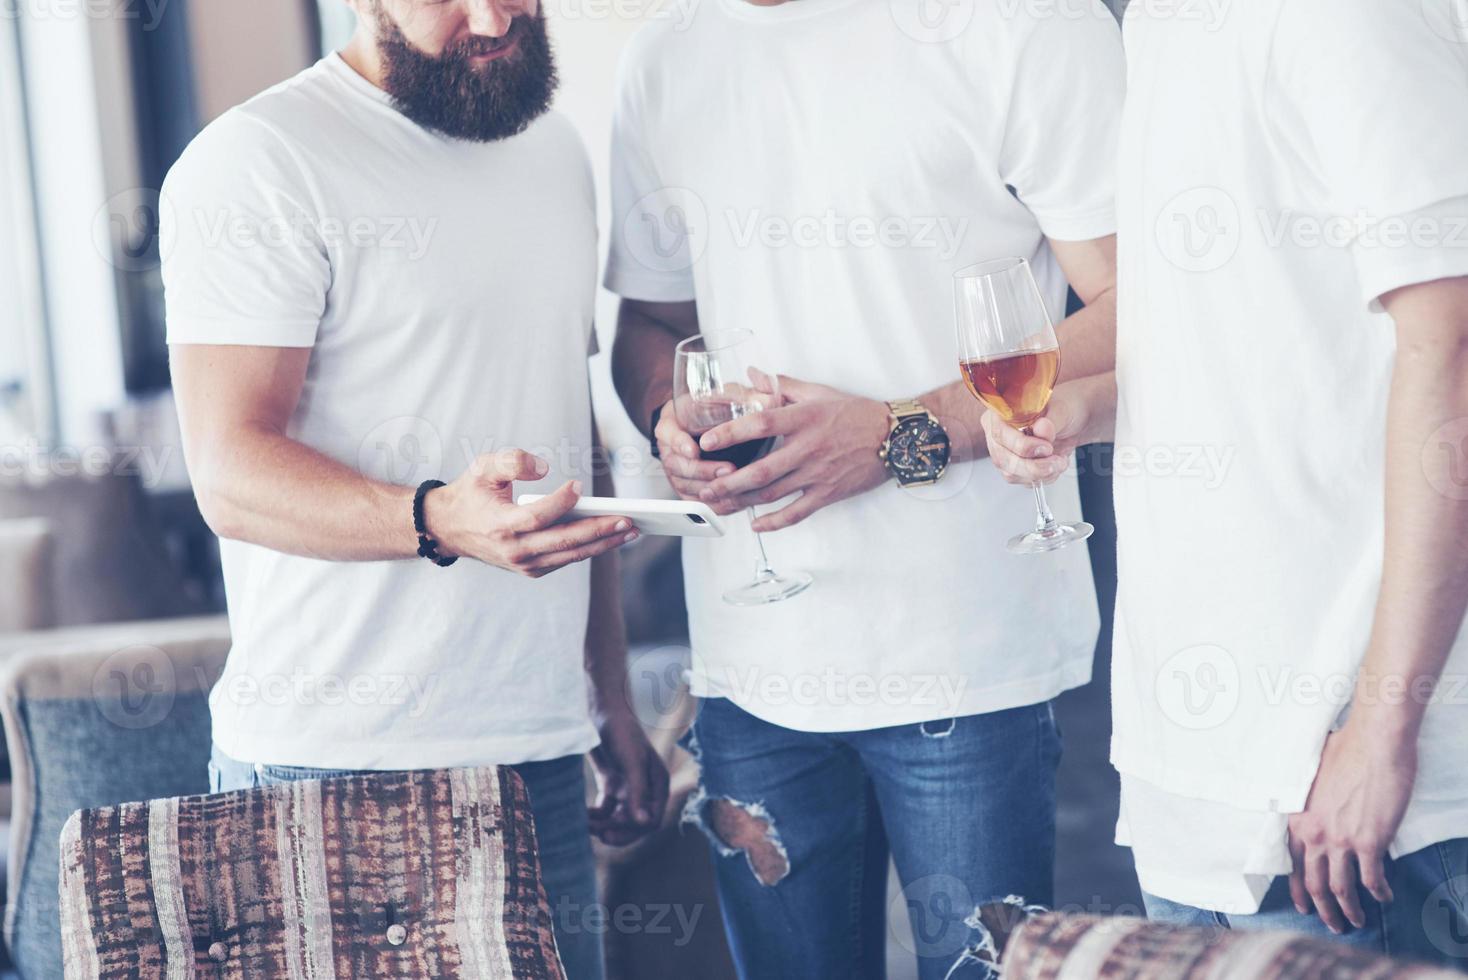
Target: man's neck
{"x":362,"y":56}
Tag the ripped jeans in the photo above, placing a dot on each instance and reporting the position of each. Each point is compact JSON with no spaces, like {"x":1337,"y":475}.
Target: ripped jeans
{"x":802,"y":825}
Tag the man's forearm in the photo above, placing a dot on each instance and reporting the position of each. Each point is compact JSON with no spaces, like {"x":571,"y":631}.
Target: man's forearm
{"x":1088,"y":350}
{"x":1424,"y":590}
{"x":260,"y":486}
{"x":642,"y":366}
{"x":1088,"y":339}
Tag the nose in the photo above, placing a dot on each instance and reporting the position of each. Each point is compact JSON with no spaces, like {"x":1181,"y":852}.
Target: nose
{"x":492,"y":18}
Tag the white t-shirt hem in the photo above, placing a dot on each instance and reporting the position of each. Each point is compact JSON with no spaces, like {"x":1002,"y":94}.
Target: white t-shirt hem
{"x":649,"y":288}
{"x":1430,"y":822}
{"x":402,"y":754}
{"x":830,"y":719}
{"x":1085,"y":227}
{"x":1409,"y":266}
{"x":1247,"y":793}
{"x":1243,"y":896}
{"x":244,"y":333}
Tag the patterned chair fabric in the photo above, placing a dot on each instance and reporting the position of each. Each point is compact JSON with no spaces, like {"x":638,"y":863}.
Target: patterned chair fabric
{"x":1033,"y":944}
{"x":415,"y":875}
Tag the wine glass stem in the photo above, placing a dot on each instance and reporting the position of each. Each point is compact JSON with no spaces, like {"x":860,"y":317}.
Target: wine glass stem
{"x":762,"y":569}
{"x":1044,"y":520}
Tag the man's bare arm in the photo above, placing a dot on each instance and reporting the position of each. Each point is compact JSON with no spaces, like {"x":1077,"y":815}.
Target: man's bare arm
{"x":1368,"y":769}
{"x":254,"y":483}
{"x":1087,"y":341}
{"x":642,"y":368}
{"x":631,"y":778}
{"x":642,"y":358}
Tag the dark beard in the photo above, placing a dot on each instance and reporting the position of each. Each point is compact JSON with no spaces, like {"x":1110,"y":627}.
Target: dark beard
{"x":448,"y":95}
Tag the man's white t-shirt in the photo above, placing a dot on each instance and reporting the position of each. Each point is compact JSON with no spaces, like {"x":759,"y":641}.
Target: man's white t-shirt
{"x":817,"y":171}
{"x":446,"y":290}
{"x":1282,"y":168}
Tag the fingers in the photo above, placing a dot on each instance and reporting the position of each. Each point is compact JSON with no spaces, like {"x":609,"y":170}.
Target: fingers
{"x":672,"y":439}
{"x":694,"y":491}
{"x":779,"y":490}
{"x":657,"y":783}
{"x":756,"y":476}
{"x":1018,"y":443}
{"x":749,"y":428}
{"x":606,"y":803}
{"x":1318,"y":884}
{"x":695,"y":468}
{"x":504,"y":468}
{"x":557,"y":560}
{"x":1024,"y":460}
{"x":1373,"y":876}
{"x":1299,"y":894}
{"x":636,"y":795}
{"x":547,"y":511}
{"x":795,"y":390}
{"x":1343,"y":885}
{"x":804,"y":506}
{"x":574,"y":536}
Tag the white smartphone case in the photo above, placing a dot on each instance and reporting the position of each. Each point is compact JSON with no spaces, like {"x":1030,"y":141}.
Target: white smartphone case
{"x":667,"y":518}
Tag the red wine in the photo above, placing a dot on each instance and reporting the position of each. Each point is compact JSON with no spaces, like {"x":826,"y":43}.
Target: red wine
{"x":741,"y":455}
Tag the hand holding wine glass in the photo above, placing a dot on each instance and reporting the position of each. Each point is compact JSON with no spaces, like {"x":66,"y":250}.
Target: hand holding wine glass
{"x":688,"y":472}
{"x":718,"y":377}
{"x":1041,"y":455}
{"x":1010,"y":359}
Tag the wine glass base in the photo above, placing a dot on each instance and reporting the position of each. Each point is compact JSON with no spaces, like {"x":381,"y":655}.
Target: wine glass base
{"x":1050,"y":539}
{"x":776,"y":588}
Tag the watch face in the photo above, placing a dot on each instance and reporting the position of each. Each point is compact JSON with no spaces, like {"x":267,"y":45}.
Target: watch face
{"x":919,"y":450}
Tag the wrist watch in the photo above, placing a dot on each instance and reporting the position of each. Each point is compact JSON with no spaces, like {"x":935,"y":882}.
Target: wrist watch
{"x":917,"y":449}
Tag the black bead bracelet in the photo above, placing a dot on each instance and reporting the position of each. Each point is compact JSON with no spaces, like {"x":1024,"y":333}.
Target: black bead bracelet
{"x":427,"y":547}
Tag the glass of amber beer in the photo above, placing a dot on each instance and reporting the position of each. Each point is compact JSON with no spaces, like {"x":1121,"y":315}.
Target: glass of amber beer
{"x":1010,"y":359}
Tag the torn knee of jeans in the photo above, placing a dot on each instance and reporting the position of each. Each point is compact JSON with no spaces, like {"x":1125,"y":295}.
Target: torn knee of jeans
{"x":938,"y":729}
{"x":990,"y":928}
{"x":737,"y":828}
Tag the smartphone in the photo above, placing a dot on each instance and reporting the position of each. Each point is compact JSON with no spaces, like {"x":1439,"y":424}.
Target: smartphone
{"x":669,"y":518}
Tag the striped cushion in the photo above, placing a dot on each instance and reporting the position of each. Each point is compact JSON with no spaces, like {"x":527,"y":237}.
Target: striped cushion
{"x":1057,"y":946}
{"x":416,"y":874}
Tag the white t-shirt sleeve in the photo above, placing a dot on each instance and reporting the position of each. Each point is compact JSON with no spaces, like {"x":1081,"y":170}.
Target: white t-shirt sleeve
{"x":243,"y":261}
{"x":1382,"y":93}
{"x":655,"y":230}
{"x":1060,"y":140}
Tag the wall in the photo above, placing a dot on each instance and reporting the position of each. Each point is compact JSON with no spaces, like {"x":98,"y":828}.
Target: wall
{"x":241,"y":48}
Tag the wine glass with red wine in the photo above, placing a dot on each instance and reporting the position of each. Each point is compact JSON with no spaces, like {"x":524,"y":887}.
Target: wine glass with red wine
{"x":720,"y":376}
{"x":1010,"y":359}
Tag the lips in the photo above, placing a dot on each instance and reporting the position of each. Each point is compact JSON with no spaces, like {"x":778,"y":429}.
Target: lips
{"x":492,"y":49}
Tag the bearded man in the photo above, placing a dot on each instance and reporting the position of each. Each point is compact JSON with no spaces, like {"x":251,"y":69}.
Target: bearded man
{"x":380,"y":275}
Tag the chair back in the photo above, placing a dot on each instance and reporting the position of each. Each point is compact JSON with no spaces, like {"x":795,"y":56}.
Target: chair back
{"x":430,"y":875}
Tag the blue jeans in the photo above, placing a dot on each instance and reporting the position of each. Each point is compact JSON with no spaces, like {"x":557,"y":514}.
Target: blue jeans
{"x":802,"y":825}
{"x":1427,"y":921}
{"x":558,"y":801}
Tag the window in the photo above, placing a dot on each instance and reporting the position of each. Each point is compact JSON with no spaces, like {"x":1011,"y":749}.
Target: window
{"x":27,"y":409}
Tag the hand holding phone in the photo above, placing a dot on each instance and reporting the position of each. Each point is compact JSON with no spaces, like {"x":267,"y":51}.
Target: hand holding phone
{"x":668,"y":518}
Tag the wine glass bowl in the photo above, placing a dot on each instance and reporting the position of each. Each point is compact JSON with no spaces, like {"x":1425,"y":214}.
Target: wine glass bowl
{"x":1009,"y":357}
{"x":718,"y":377}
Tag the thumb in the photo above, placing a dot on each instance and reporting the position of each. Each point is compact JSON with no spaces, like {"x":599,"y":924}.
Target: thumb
{"x":1060,"y":423}
{"x":501,"y":470}
{"x":636,"y":781}
{"x":1045,"y":429}
{"x":795,"y":390}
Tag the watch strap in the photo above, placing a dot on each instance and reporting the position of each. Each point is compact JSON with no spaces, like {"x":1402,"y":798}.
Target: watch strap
{"x":906,"y":409}
{"x":652,"y":430}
